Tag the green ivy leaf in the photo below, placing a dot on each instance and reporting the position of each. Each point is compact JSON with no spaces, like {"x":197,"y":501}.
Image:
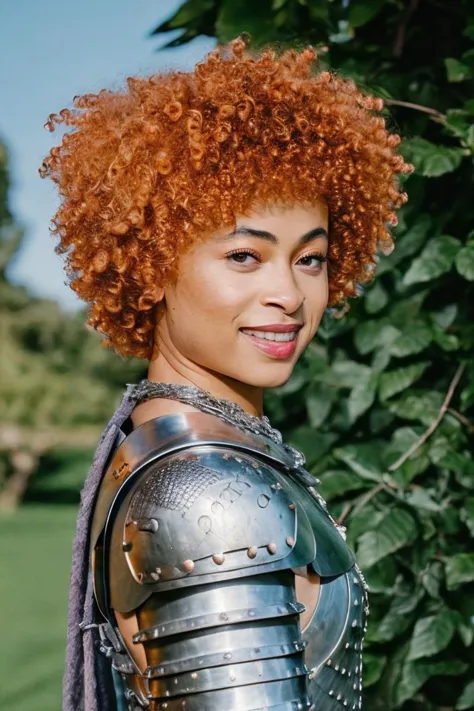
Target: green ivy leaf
{"x":313,"y":444}
{"x":419,"y":498}
{"x":431,"y":160}
{"x":421,"y":405}
{"x":396,"y":381}
{"x":364,"y":459}
{"x":446,"y":341}
{"x":466,"y":632}
{"x":381,"y":577}
{"x":416,"y":673}
{"x":257,"y":19}
{"x":319,"y":399}
{"x":466,"y":700}
{"x":436,"y":259}
{"x":362,"y":396}
{"x":467,"y":514}
{"x":456,"y":71}
{"x":376,"y":298}
{"x":370,"y":335}
{"x":462,"y":465}
{"x":432,"y":577}
{"x":396,"y":530}
{"x":446,"y":316}
{"x":459,"y":570}
{"x":363,"y":11}
{"x":337,"y":482}
{"x":431,"y":635}
{"x":414,"y":339}
{"x":347,"y":373}
{"x":400,"y":615}
{"x":465,"y":262}
{"x":407,"y":244}
{"x":374,"y":664}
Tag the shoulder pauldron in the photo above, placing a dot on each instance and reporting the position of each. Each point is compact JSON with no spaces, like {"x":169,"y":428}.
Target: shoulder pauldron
{"x":188,"y":500}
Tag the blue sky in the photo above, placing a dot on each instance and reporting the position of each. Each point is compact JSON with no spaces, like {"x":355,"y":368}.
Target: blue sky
{"x":51,"y":51}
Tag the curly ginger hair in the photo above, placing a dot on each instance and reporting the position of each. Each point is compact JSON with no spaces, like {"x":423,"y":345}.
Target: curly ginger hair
{"x":174,"y":156}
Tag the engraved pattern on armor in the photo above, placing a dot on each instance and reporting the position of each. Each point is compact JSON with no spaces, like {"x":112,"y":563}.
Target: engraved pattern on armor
{"x":174,"y":485}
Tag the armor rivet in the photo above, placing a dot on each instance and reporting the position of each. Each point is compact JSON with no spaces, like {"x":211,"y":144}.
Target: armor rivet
{"x":345,"y":702}
{"x":354,"y":623}
{"x":223,"y":617}
{"x":127,"y":546}
{"x":290,"y":541}
{"x":238,"y":459}
{"x":356,"y":602}
{"x":354,"y":686}
{"x":331,"y":692}
{"x":343,"y":671}
{"x":252,"y":613}
{"x":255,"y":465}
{"x":226,"y":456}
{"x":188,"y":566}
{"x":154,"y":576}
{"x":228,"y":655}
{"x":336,"y":667}
{"x":257,"y":650}
{"x":271,"y":548}
{"x":329,"y":662}
{"x":150,"y":525}
{"x":338,"y":697}
{"x":158,"y":571}
{"x":252,"y":552}
{"x":347,"y":645}
{"x":218,"y":558}
{"x":232,"y":676}
{"x":292,"y":507}
{"x":194,"y":675}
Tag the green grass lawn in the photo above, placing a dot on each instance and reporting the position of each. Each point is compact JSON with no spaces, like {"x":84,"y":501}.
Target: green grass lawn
{"x":35,"y":557}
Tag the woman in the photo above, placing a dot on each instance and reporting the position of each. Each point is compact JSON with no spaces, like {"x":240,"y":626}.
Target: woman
{"x":209,"y":219}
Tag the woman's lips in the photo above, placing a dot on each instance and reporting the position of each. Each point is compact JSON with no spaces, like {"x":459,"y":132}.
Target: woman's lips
{"x":275,"y":349}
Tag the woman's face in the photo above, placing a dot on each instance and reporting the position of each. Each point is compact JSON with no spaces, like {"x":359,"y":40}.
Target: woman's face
{"x":247,"y":302}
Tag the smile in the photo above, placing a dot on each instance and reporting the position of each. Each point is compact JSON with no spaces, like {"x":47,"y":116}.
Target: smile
{"x":271,"y":336}
{"x":272,"y":344}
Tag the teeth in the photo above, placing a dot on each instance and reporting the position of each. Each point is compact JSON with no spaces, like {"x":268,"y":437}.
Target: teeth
{"x":270,"y":336}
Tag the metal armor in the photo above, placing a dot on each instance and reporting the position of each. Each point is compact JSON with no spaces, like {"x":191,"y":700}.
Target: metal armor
{"x":197,"y":529}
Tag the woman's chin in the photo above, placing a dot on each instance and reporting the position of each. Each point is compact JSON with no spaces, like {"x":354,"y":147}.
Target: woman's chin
{"x":268,"y":379}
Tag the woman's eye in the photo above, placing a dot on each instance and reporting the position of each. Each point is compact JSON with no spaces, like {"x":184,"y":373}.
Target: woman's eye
{"x":313,"y":260}
{"x":245,"y":258}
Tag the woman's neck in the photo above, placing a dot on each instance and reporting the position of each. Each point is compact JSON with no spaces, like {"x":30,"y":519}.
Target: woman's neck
{"x":248,"y":397}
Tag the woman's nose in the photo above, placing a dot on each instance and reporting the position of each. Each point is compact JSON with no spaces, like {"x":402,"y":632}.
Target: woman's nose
{"x":283,"y":291}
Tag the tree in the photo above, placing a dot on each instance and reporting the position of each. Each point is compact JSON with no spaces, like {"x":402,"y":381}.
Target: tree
{"x":382,"y":403}
{"x":57,"y":385}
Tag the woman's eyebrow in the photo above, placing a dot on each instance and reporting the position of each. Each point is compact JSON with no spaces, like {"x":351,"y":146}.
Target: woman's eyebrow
{"x":269,"y":237}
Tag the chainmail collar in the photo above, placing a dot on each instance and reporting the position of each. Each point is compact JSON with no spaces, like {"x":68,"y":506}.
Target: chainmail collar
{"x":225,"y":410}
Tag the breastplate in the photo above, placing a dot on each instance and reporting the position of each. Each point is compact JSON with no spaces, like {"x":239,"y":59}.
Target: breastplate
{"x":197,"y":528}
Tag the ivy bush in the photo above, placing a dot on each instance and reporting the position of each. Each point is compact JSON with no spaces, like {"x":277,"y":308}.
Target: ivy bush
{"x":382,"y":402}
